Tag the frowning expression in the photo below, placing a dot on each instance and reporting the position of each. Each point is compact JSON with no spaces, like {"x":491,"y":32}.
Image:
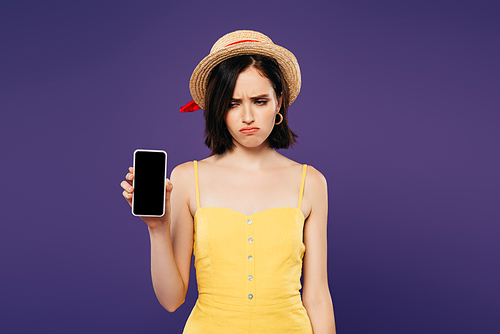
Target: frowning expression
{"x":252,"y":111}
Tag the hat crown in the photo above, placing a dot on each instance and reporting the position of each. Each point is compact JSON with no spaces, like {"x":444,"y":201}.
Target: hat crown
{"x":240,"y":36}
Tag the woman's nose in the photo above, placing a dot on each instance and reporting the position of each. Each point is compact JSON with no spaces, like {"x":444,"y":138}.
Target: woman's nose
{"x":247,"y":116}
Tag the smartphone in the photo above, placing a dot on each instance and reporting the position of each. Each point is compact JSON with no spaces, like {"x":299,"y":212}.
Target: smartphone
{"x":150,"y":171}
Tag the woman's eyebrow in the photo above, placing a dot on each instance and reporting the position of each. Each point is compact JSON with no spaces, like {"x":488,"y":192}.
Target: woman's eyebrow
{"x":261,"y":96}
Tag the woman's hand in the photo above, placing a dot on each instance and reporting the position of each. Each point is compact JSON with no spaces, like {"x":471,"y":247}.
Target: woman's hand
{"x":153,"y":222}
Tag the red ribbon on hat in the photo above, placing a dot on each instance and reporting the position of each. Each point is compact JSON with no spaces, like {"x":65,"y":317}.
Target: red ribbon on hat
{"x":243,"y":41}
{"x":192,"y":106}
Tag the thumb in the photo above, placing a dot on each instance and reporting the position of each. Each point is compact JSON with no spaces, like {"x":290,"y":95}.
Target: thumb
{"x":169,"y":185}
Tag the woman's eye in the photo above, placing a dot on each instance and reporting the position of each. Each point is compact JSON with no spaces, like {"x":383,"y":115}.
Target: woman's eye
{"x":261,"y":102}
{"x":232,"y":105}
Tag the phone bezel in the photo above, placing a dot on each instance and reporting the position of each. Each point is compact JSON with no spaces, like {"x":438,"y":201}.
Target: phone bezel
{"x":164,"y":182}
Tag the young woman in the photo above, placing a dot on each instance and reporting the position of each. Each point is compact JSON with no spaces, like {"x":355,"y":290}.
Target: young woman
{"x":254,"y":219}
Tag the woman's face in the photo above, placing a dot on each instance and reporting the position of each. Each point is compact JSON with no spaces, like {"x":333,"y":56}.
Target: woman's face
{"x":253,"y":109}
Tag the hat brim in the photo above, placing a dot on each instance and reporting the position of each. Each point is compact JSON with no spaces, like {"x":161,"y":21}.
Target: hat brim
{"x":285,"y":59}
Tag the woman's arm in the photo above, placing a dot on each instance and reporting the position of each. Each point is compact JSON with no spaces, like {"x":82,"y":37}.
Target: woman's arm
{"x":171,"y":240}
{"x":315,"y":293}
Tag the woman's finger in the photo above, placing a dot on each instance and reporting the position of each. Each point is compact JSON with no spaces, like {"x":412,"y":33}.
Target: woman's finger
{"x":128,"y":197}
{"x":127,"y":187}
{"x":130,"y":175}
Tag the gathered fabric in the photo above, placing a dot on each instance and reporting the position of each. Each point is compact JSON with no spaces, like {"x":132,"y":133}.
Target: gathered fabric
{"x":248,"y":270}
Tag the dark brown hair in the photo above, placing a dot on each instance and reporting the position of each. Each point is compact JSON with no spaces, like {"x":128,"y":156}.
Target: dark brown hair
{"x":220,"y":88}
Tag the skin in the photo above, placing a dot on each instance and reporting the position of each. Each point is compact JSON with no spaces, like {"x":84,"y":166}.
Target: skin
{"x":239,"y":180}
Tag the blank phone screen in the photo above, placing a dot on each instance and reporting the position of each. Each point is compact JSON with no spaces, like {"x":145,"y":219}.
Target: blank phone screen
{"x":149,"y":183}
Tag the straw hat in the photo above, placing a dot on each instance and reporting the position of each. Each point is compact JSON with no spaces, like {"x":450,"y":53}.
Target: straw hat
{"x":244,"y":42}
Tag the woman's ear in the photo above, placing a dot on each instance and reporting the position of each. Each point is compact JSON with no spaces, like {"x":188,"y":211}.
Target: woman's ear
{"x":279,"y":102}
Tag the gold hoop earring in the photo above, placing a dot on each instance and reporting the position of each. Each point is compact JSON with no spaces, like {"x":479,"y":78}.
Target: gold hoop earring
{"x":281,"y":119}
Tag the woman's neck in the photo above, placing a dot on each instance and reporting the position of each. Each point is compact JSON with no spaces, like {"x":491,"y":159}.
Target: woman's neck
{"x":254,"y":158}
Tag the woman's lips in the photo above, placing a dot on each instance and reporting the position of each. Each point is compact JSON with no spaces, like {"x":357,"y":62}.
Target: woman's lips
{"x":249,"y":130}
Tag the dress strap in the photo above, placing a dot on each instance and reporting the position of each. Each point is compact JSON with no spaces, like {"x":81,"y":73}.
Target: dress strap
{"x":304,"y":169}
{"x":196,"y":182}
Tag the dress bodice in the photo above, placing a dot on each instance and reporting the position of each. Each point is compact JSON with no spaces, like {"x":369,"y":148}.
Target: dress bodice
{"x":248,"y":270}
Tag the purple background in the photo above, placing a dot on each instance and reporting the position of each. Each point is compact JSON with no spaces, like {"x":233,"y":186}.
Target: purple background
{"x":399,"y":109}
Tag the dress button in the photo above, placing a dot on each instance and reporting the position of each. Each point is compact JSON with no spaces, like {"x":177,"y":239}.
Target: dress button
{"x":250,"y":277}
{"x":250,"y":257}
{"x":250,"y":296}
{"x":249,"y":221}
{"x":250,"y":239}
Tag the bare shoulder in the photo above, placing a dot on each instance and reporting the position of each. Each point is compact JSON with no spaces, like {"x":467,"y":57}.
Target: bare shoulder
{"x":183,"y":172}
{"x":183,"y":180}
{"x":315,"y":193}
{"x":315,"y":179}
{"x":285,"y":162}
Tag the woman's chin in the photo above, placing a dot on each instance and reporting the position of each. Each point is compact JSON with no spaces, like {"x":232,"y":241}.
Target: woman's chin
{"x":252,"y":144}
